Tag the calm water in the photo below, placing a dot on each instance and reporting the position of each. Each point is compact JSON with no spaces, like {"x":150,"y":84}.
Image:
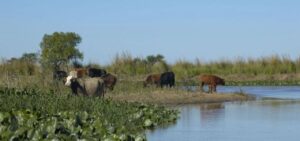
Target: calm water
{"x":263,"y":120}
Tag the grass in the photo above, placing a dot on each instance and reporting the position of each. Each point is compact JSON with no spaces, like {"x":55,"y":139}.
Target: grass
{"x":177,"y":97}
{"x":129,"y":68}
{"x":126,"y":66}
{"x":270,"y":65}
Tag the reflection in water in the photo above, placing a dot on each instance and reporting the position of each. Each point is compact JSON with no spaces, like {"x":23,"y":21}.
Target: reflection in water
{"x":211,"y":113}
{"x":265,"y":120}
{"x":193,"y":120}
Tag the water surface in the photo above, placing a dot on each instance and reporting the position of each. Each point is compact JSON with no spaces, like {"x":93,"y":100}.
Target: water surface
{"x":266,"y":120}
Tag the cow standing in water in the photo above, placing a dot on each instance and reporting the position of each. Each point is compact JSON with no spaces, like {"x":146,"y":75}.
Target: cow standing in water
{"x":212,"y":81}
{"x":167,"y":79}
{"x":152,"y":79}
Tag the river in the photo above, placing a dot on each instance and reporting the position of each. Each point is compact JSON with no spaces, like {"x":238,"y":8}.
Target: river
{"x":274,"y":119}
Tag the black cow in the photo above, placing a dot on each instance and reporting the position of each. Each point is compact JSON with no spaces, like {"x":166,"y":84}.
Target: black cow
{"x":167,"y":79}
{"x":93,"y":72}
{"x":59,"y":75}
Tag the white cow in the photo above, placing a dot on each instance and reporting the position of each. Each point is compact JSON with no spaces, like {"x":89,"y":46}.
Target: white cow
{"x":86,"y":86}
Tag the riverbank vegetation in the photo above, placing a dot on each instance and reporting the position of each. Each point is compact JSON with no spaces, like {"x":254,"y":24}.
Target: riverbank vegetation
{"x":34,"y":114}
{"x":59,"y":52}
{"x":272,"y":70}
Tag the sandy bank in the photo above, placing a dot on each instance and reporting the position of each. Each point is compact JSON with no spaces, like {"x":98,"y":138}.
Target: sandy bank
{"x":172,"y":97}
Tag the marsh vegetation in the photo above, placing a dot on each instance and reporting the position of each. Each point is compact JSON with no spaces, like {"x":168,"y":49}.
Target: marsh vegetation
{"x":34,"y":106}
{"x":34,"y":114}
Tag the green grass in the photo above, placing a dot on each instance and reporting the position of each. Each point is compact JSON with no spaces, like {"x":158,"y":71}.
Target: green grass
{"x":269,"y":66}
{"x":28,"y":114}
{"x":129,"y":68}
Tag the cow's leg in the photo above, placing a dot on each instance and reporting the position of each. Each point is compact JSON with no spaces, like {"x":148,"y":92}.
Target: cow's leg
{"x":145,"y":84}
{"x":157,"y":85}
{"x":201,"y":86}
{"x":101,"y":89}
{"x":74,"y":88}
{"x":215,"y":88}
{"x":210,"y":88}
{"x":111,"y":87}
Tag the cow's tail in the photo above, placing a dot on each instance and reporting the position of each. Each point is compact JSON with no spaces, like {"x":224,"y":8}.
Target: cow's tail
{"x":101,"y":88}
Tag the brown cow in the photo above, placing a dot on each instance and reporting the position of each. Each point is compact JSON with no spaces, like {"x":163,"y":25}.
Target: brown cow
{"x":109,"y":81}
{"x":212,"y":81}
{"x":152,"y":79}
{"x":79,"y":72}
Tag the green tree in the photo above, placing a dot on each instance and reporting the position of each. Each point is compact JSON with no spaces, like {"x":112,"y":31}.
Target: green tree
{"x":152,"y":59}
{"x":29,"y":57}
{"x":59,"y":49}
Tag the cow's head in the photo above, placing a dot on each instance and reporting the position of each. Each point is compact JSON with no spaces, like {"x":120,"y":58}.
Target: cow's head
{"x":222,"y":82}
{"x":69,"y":80}
{"x":72,"y":76}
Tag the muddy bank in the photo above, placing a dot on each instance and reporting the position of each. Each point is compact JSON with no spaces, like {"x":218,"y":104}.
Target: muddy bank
{"x":175,"y":98}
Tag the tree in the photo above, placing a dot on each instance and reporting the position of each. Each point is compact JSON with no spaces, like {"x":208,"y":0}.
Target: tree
{"x":29,"y":57}
{"x":152,"y":59}
{"x":59,"y":49}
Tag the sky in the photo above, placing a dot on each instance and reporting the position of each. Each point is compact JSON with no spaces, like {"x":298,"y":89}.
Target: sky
{"x":209,"y":30}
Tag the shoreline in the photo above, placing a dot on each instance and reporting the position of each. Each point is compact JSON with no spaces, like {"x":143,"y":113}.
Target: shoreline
{"x":180,"y":97}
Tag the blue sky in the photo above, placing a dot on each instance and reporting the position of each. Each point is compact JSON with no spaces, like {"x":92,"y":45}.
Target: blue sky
{"x":178,"y":29}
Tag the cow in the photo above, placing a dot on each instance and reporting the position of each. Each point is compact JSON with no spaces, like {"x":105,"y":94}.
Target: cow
{"x":79,"y":73}
{"x":152,"y":79}
{"x":109,"y":81}
{"x":167,"y":79}
{"x":93,"y":72}
{"x":212,"y":81}
{"x":86,"y":86}
{"x":59,"y":75}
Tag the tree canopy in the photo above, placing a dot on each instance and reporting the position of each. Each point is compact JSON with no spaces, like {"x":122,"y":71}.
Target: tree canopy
{"x":30,"y":57}
{"x":152,"y":59}
{"x":59,"y":49}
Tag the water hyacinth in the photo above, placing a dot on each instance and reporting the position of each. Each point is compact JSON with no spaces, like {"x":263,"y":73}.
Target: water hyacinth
{"x":77,"y":125}
{"x":77,"y":118}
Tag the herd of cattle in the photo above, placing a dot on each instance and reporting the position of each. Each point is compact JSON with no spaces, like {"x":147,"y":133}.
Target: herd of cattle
{"x":94,"y":82}
{"x":87,"y":81}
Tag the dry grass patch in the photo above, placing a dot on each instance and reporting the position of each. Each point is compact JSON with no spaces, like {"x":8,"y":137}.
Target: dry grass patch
{"x":167,"y":97}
